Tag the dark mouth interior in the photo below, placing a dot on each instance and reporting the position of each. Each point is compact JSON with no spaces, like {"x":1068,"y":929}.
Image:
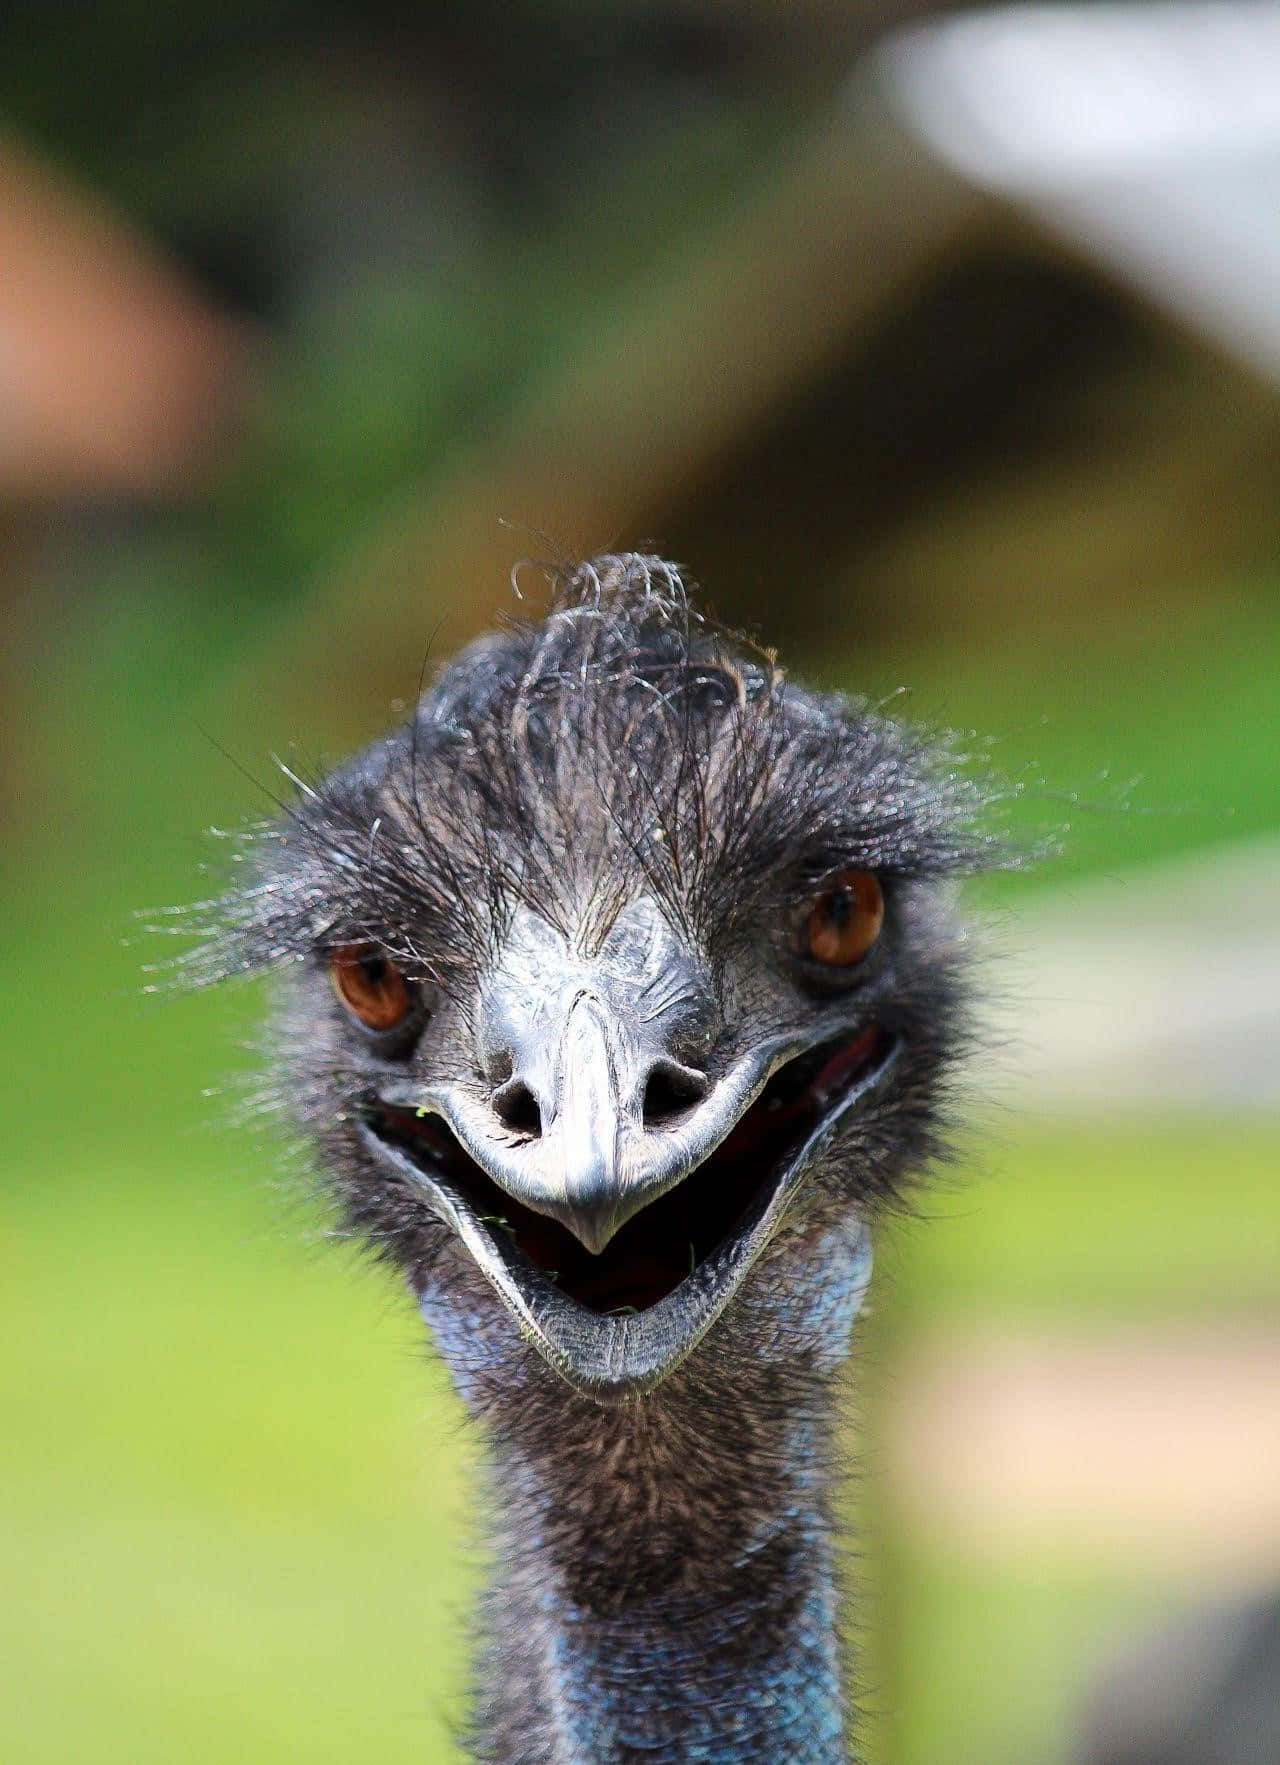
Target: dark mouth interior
{"x":649,"y":1257}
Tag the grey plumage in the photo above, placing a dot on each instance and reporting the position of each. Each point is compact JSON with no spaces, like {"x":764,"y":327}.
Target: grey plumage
{"x":628,"y":1133}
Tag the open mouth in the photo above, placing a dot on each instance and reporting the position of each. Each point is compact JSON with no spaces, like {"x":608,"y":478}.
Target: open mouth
{"x":696,"y":1241}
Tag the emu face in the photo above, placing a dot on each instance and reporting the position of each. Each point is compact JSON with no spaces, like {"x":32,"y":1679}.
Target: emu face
{"x":617,"y":1161}
{"x":617,"y":978}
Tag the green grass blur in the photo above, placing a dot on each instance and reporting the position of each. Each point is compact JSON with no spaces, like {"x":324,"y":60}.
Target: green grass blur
{"x":235,"y":1482}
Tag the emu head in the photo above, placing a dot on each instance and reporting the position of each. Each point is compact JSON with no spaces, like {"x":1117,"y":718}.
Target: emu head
{"x":621,"y":984}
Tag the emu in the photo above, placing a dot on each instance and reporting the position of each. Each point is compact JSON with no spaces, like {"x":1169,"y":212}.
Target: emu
{"x":619,"y":998}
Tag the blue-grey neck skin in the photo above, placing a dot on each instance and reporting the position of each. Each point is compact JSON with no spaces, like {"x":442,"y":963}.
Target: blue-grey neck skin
{"x":719,"y":1675}
{"x":666,"y":1589}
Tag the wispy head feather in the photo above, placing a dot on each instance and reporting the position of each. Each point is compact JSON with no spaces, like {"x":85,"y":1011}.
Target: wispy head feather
{"x":620,"y":742}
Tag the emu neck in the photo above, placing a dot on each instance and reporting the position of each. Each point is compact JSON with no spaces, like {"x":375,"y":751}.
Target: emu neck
{"x":629,"y":1651}
{"x":666,"y":1588}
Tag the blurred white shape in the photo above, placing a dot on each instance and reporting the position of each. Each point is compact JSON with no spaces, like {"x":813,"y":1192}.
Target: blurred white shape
{"x":1148,"y":135}
{"x":1133,"y":1447}
{"x":1160,"y":987}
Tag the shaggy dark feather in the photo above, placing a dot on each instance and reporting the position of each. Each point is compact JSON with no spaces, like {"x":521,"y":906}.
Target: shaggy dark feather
{"x":620,"y":735}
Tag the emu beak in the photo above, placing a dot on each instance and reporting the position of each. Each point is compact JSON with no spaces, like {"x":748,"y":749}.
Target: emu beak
{"x":613,"y":1192}
{"x":598,"y":1108}
{"x":590,"y":1124}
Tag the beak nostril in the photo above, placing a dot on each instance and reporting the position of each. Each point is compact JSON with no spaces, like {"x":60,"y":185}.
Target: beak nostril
{"x":517,"y":1108}
{"x":671,"y":1090}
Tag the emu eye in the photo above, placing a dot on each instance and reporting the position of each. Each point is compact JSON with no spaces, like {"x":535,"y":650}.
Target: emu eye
{"x":845,"y":919}
{"x":370,"y":986}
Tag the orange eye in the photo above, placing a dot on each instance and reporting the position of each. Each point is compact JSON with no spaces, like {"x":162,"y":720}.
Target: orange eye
{"x":845,"y":920}
{"x":370,"y":986}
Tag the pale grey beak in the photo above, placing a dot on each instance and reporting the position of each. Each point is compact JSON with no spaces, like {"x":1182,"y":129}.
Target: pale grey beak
{"x":600,"y":1104}
{"x":590,"y":1124}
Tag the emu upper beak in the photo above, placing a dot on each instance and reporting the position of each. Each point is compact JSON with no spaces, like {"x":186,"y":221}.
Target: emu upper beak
{"x":597,"y":1165}
{"x":598,"y":1105}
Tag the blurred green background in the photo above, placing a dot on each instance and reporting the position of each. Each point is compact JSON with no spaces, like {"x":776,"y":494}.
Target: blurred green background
{"x":315,"y":322}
